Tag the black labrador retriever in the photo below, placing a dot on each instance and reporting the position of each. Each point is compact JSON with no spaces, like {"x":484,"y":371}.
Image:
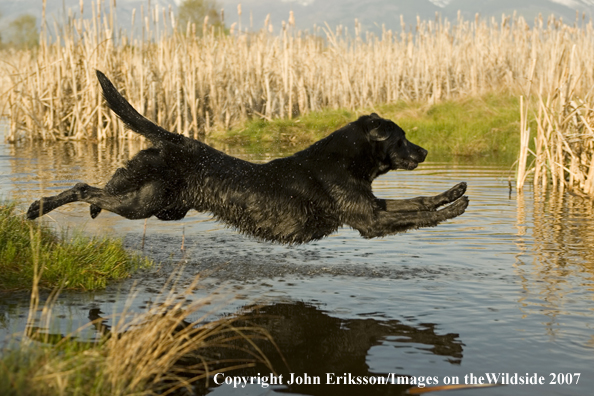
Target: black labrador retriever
{"x":296,"y":199}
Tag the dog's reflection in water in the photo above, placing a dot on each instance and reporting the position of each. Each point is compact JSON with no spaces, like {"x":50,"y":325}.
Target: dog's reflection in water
{"x":304,"y":339}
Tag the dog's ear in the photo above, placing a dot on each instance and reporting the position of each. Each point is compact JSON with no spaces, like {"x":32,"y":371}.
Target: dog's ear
{"x":379,"y":134}
{"x":378,"y":131}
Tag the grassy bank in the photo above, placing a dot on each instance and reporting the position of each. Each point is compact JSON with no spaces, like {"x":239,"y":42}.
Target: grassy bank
{"x":482,"y":126}
{"x":74,"y":262}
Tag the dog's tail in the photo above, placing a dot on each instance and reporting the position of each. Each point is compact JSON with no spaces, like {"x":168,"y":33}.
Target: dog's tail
{"x":132,"y":118}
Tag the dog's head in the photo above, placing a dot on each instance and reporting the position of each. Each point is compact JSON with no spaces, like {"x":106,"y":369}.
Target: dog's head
{"x":390,"y":147}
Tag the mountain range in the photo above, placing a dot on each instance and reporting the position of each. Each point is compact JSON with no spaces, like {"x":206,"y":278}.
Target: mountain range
{"x":372,"y":14}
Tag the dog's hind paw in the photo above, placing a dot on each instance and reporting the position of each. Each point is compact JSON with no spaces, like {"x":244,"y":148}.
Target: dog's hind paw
{"x":95,"y":210}
{"x":34,"y":210}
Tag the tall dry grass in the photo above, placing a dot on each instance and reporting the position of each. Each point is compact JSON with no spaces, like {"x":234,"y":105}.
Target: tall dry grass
{"x":563,"y":157}
{"x":196,"y":83}
{"x":170,"y":349}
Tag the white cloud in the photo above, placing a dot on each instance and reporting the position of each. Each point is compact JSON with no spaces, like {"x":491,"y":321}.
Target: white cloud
{"x":440,"y":3}
{"x":300,"y":2}
{"x":567,"y":3}
{"x":574,"y":3}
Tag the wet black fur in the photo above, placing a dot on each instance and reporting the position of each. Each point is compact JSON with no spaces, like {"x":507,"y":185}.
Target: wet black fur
{"x":296,"y":199}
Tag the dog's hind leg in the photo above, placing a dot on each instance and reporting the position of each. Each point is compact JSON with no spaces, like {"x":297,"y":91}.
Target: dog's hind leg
{"x":423,"y":203}
{"x":138,"y":204}
{"x":47,"y":204}
{"x":120,"y":183}
{"x":146,"y":170}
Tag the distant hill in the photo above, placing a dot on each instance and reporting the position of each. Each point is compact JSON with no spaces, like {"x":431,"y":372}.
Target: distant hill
{"x":56,"y":10}
{"x":371,"y":13}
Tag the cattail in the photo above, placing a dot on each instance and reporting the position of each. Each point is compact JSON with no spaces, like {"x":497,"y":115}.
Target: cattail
{"x":210,"y":81}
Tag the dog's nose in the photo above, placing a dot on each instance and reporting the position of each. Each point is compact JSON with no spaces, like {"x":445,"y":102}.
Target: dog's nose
{"x":422,"y":154}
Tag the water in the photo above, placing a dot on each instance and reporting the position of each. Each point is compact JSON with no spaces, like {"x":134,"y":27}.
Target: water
{"x":505,"y":288}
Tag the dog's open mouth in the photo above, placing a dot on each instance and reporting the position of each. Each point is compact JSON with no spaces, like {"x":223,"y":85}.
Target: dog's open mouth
{"x":406,"y":164}
{"x":411,"y":165}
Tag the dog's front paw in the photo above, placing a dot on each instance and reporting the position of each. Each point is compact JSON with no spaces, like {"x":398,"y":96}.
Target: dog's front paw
{"x":34,"y":210}
{"x":455,"y":192}
{"x":457,"y":208}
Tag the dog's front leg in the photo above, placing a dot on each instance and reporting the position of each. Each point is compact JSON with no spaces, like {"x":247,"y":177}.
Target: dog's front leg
{"x":387,"y":223}
{"x":423,"y":203}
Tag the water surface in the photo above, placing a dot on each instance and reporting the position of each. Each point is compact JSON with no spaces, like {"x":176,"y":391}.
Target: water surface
{"x":505,"y":288}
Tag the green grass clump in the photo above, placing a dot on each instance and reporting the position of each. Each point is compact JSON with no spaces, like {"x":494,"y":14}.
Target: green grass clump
{"x":15,"y":371}
{"x":74,"y":262}
{"x":479,"y":126}
{"x":303,"y":129}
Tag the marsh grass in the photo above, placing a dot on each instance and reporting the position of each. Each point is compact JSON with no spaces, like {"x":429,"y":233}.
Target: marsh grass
{"x":70,"y":260}
{"x":471,"y":126}
{"x":563,"y":155}
{"x":300,"y":130}
{"x":175,"y":345}
{"x":486,"y":125}
{"x":197,"y":84}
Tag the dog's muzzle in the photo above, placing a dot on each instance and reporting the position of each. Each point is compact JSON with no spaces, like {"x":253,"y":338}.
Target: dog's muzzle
{"x":420,"y":155}
{"x":413,"y":160}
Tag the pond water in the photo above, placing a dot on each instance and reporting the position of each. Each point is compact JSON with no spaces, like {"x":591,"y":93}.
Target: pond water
{"x":505,"y":288}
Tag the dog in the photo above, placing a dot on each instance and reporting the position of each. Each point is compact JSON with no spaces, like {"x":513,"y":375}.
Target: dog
{"x":292,"y":200}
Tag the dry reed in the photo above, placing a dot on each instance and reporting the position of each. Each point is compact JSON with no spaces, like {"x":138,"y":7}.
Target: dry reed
{"x":564,"y":142}
{"x":194,"y":84}
{"x":174,"y":346}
